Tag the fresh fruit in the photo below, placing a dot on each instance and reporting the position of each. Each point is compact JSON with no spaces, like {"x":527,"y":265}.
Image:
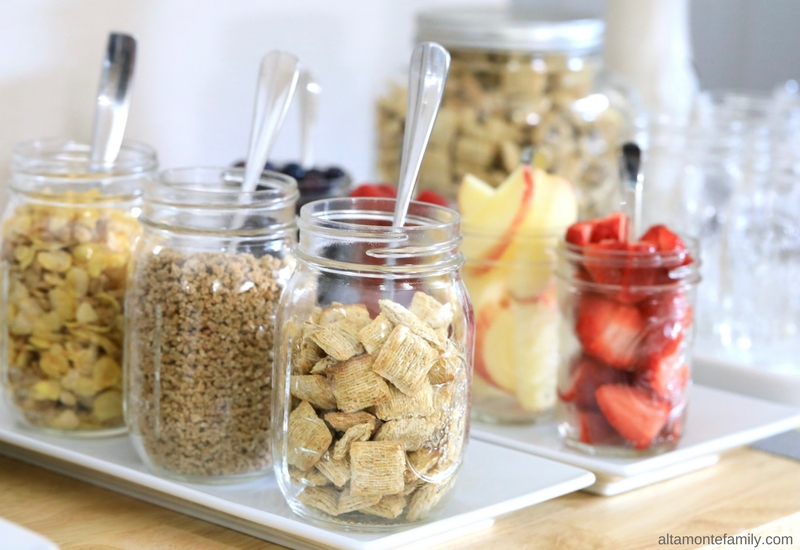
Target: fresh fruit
{"x":473,"y":195}
{"x":633,"y":412}
{"x":432,"y":197}
{"x":494,"y":332}
{"x":614,"y":227}
{"x":608,"y":330}
{"x":595,"y":429}
{"x":535,"y":351}
{"x":377,"y":190}
{"x":588,"y":374}
{"x":580,"y":233}
{"x":668,"y":242}
{"x":665,"y":375}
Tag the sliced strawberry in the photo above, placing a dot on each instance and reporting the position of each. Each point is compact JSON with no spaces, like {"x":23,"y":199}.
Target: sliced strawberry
{"x":605,"y":261}
{"x":614,"y":227}
{"x":633,"y":412}
{"x":379,"y":190}
{"x":608,"y":330}
{"x":580,"y":233}
{"x":595,"y":429}
{"x":667,"y":317}
{"x":666,"y":241}
{"x":665,"y":375}
{"x":432,"y":197}
{"x":588,"y":374}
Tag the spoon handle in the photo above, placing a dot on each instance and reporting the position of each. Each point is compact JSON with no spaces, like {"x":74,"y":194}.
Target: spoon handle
{"x":277,"y":82}
{"x":430,"y":63}
{"x":309,"y":99}
{"x":632,"y":184}
{"x":113,"y":99}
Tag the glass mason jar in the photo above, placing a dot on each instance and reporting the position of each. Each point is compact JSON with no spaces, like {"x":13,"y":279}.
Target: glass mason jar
{"x":517,"y":80}
{"x":516,"y":327}
{"x":625,"y":348}
{"x":205,"y":281}
{"x":373,"y":368}
{"x":68,"y":233}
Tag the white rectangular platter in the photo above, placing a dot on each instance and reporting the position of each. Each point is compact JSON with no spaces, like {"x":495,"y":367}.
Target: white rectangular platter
{"x":717,"y":421}
{"x":781,"y":384}
{"x":489,"y":485}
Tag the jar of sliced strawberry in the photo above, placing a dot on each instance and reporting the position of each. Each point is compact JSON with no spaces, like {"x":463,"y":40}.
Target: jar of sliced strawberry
{"x":627,"y":307}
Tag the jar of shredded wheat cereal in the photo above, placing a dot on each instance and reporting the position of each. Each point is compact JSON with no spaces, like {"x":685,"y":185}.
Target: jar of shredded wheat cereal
{"x":68,"y":234}
{"x":373,"y":365}
{"x":205,"y":283}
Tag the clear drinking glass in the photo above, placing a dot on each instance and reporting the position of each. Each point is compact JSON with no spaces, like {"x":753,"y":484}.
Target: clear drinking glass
{"x":68,"y":233}
{"x":205,"y":281}
{"x":373,"y":366}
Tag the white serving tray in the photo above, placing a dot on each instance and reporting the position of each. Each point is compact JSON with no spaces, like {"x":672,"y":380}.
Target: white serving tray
{"x":717,"y":421}
{"x":493,"y":481}
{"x":773,"y":384}
{"x":17,"y":537}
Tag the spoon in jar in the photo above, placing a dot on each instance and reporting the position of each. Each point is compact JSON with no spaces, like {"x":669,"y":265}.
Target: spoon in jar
{"x":277,"y":83}
{"x":632,"y":185}
{"x":113,"y":100}
{"x":427,"y":74}
{"x":309,"y":99}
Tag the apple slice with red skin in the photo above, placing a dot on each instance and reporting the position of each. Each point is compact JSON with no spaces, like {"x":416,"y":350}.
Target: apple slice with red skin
{"x":633,"y":412}
{"x":492,"y":362}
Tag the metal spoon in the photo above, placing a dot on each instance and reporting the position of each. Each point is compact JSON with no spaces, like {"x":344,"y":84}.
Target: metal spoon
{"x":113,"y":100}
{"x":309,"y":99}
{"x":277,"y":83}
{"x":430,"y":63}
{"x":631,"y":175}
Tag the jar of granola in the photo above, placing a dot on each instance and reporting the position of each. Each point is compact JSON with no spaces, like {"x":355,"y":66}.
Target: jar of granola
{"x":517,"y":79}
{"x":205,"y":282}
{"x":373,"y":365}
{"x":68,"y":233}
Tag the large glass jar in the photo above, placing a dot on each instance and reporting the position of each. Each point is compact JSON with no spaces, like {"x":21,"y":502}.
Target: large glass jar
{"x":626,"y":345}
{"x":373,"y":368}
{"x":517,"y":79}
{"x":205,"y":281}
{"x":68,"y":233}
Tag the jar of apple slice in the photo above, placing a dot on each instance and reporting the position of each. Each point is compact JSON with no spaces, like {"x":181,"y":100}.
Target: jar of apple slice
{"x":627,"y":313}
{"x":510,"y":237}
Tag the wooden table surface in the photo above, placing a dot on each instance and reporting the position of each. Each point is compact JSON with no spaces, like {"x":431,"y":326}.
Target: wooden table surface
{"x":748,"y":491}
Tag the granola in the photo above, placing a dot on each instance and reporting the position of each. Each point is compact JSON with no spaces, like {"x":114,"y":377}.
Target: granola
{"x":394,"y":432}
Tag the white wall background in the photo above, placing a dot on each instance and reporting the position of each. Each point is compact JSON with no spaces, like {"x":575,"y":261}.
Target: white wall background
{"x":198,"y":61}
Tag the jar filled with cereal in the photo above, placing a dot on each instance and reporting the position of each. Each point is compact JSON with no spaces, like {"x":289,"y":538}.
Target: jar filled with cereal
{"x":68,"y":233}
{"x":205,"y":281}
{"x":517,"y":79}
{"x":373,"y":365}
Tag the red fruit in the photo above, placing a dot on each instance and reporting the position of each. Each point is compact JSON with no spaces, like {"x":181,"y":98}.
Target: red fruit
{"x":379,"y":190}
{"x":588,"y":374}
{"x":614,"y":227}
{"x":608,"y":330}
{"x":432,"y":197}
{"x":667,"y":242}
{"x":579,"y":233}
{"x":633,"y":412}
{"x":666,"y":375}
{"x":667,"y":317}
{"x":595,"y":429}
{"x":605,"y":261}
{"x":622,"y":264}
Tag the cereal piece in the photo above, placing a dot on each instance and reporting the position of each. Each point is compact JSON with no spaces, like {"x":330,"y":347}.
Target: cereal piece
{"x":66,"y":420}
{"x":445,"y":368}
{"x":314,"y":389}
{"x":312,"y":477}
{"x":53,"y":362}
{"x":321,"y":498}
{"x":376,"y":468}
{"x":350,"y":503}
{"x":429,"y":310}
{"x":106,"y":372}
{"x":309,"y":352}
{"x":389,"y":507}
{"x":107,"y":405}
{"x":356,"y":313}
{"x":341,"y":422}
{"x":423,"y":499}
{"x":359,"y":432}
{"x":46,"y":390}
{"x":59,"y":260}
{"x":338,"y":471}
{"x":374,"y":335}
{"x":400,"y":405}
{"x":420,"y":462}
{"x":321,"y":366}
{"x":309,"y":437}
{"x":339,"y":340}
{"x":399,"y":315}
{"x":405,"y":360}
{"x":86,"y":314}
{"x":355,"y":384}
{"x":413,"y":433}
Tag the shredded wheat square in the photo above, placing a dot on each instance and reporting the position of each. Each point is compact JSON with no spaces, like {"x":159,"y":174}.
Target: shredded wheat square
{"x":356,"y":386}
{"x":405,"y":360}
{"x":376,"y":468}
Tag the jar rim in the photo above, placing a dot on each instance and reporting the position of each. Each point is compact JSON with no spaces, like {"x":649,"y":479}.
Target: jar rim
{"x":134,"y":158}
{"x":511,"y":28}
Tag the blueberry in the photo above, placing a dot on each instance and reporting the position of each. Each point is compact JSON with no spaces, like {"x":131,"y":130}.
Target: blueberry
{"x":294,"y":170}
{"x":239,"y":164}
{"x":333,"y":173}
{"x":270,"y":166}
